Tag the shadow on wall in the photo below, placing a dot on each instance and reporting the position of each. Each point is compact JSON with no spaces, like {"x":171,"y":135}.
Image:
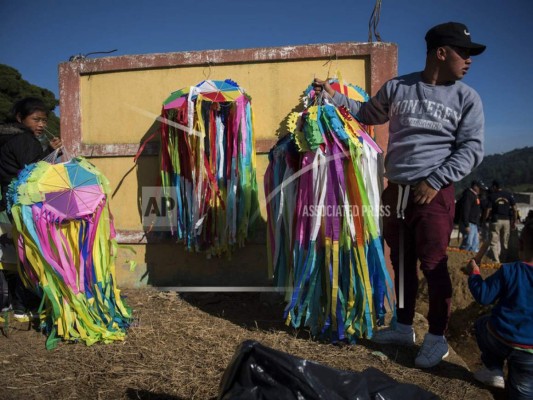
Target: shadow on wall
{"x":282,"y":128}
{"x":170,"y":265}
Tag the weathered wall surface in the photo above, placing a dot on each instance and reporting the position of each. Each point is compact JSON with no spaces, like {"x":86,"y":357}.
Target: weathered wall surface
{"x":109,"y":105}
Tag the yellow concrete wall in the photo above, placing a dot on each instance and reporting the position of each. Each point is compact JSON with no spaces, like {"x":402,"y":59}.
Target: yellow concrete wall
{"x":121,"y":107}
{"x":118,"y":105}
{"x":126,"y":180}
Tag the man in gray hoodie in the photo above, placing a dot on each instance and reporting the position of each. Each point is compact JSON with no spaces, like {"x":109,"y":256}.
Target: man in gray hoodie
{"x":435,"y":139}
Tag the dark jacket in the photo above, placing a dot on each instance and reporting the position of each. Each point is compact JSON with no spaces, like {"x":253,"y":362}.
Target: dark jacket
{"x":18,"y":148}
{"x":502,"y":205}
{"x":471,"y":209}
{"x":510,"y":287}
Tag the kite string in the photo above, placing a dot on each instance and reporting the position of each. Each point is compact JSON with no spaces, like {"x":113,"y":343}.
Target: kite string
{"x":208,"y":72}
{"x":53,"y":156}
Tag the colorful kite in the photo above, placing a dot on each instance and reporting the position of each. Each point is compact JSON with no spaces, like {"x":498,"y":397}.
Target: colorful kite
{"x":208,"y":165}
{"x":323,"y":209}
{"x":67,"y":247}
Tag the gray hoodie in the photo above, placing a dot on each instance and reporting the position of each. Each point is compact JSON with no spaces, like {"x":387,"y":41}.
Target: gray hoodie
{"x":435,"y":131}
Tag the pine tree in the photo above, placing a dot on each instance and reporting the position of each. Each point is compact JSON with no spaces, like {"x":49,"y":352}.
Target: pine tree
{"x":13,"y":88}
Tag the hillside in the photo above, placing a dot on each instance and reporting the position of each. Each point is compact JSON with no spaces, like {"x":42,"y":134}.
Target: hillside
{"x":514,"y":171}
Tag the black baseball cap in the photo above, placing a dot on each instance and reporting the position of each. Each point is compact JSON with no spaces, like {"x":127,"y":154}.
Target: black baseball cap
{"x":452,"y":34}
{"x":479,"y":184}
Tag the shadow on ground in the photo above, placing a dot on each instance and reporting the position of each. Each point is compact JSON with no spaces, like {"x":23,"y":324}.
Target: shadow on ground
{"x":140,"y":394}
{"x":253,"y":311}
{"x":264,"y":312}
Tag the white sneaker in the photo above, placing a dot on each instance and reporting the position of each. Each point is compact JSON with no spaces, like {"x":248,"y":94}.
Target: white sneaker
{"x":490,"y":377}
{"x":25,"y":316}
{"x":21,"y":316}
{"x":433,"y":350}
{"x":403,"y":335}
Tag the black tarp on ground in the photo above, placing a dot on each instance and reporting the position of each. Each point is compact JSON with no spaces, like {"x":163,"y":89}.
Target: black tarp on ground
{"x":257,"y":372}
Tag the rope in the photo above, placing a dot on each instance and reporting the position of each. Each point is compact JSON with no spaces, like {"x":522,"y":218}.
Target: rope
{"x":373,"y":23}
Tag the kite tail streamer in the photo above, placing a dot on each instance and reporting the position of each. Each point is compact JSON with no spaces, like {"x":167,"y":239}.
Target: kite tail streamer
{"x":208,"y":155}
{"x":325,"y":246}
{"x":68,"y":249}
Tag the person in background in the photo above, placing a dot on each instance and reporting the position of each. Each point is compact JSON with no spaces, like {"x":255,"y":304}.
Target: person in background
{"x":507,"y":333}
{"x":19,"y":146}
{"x":435,"y":139}
{"x":529,"y":217}
{"x":502,"y":221}
{"x":470,"y":217}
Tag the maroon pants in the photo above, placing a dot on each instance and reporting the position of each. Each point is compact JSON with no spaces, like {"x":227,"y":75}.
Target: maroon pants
{"x":426,"y":235}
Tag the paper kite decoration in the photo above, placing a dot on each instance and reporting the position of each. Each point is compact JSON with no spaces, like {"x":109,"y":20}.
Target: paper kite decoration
{"x":323,"y":206}
{"x":67,"y":247}
{"x":208,"y":160}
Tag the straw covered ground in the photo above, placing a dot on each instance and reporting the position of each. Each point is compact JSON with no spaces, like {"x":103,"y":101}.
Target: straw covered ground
{"x":180,"y":345}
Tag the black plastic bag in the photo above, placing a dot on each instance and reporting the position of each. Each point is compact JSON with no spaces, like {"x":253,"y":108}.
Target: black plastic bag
{"x":257,"y":372}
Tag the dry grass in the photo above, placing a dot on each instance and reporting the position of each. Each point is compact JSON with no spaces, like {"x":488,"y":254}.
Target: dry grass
{"x":179,"y":347}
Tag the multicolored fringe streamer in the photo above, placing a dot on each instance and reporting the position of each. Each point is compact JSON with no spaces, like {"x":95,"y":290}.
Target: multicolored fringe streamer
{"x":208,"y":159}
{"x":67,"y":247}
{"x":323,"y":208}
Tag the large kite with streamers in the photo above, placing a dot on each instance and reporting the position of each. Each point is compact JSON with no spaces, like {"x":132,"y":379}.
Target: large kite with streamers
{"x":208,"y":161}
{"x":67,"y":247}
{"x":323,"y":209}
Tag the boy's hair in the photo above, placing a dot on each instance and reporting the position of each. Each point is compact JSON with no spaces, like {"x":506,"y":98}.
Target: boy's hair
{"x":28,"y":106}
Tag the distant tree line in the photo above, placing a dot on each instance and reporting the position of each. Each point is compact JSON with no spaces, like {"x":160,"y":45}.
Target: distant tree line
{"x":13,"y":88}
{"x":514,"y":171}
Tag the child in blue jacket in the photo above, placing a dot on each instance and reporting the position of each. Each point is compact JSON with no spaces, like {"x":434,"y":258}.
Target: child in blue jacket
{"x":507,"y":333}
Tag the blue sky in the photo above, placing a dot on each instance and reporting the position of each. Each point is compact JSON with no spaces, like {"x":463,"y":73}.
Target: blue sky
{"x":35,"y":36}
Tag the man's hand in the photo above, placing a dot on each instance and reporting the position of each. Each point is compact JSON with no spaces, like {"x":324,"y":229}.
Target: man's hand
{"x":467,"y":229}
{"x":424,"y":193}
{"x":319,"y":85}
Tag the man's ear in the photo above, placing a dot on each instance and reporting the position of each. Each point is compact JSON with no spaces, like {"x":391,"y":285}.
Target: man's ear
{"x":19,"y":118}
{"x":441,"y":53}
